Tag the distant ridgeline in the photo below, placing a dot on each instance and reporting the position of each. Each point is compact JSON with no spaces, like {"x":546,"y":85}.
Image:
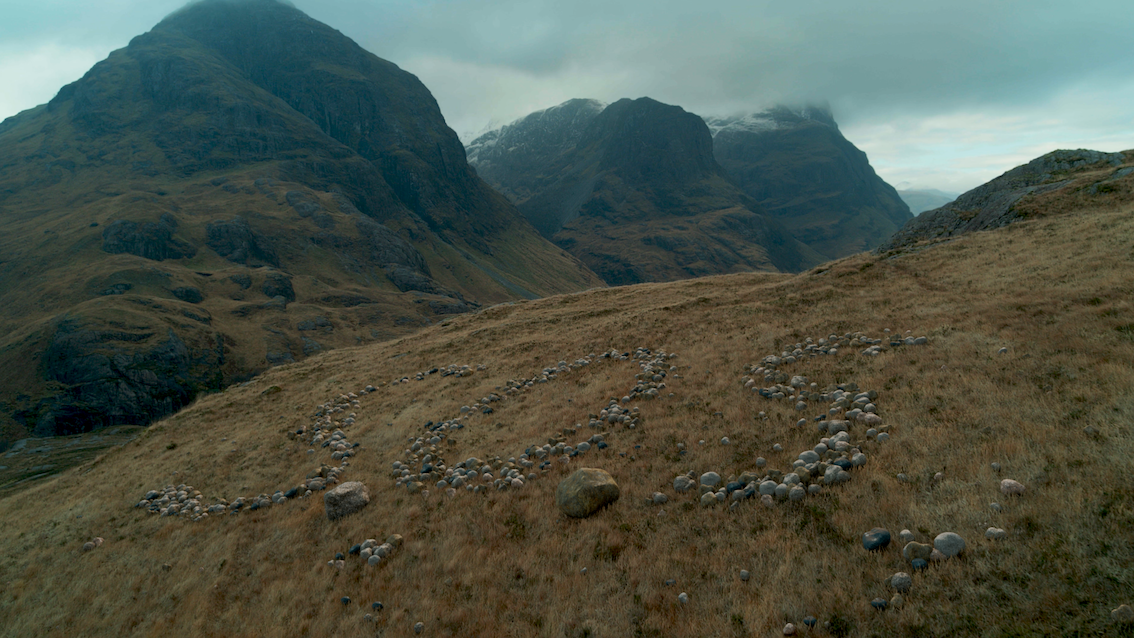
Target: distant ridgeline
{"x":580,"y":171}
{"x":1059,"y":181}
{"x":240,"y":187}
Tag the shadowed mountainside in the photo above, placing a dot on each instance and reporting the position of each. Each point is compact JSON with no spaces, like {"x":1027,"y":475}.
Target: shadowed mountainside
{"x":636,"y":194}
{"x":793,"y":162}
{"x":1055,"y":182}
{"x":802,"y":172}
{"x":241,"y":186}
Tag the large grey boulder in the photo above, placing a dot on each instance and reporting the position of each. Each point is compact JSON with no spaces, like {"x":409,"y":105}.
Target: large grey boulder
{"x":586,"y":492}
{"x":345,"y":499}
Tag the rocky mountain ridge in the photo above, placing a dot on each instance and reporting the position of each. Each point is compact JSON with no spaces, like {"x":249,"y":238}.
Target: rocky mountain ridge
{"x":1053,"y":183}
{"x":792,"y":161}
{"x":634,"y":192}
{"x":800,"y":169}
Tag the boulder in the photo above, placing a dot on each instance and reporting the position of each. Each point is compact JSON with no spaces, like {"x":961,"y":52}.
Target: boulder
{"x":345,"y":499}
{"x":585,"y":492}
{"x":914,"y":550}
{"x":876,"y":539}
{"x":949,"y":544}
{"x":1011,"y":488}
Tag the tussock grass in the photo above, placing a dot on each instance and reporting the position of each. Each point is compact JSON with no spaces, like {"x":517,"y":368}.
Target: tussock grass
{"x":1055,"y":291}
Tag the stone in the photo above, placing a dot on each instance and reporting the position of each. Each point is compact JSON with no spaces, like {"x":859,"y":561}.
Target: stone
{"x":914,"y":550}
{"x":711,"y":479}
{"x":810,"y":621}
{"x":880,"y":604}
{"x":374,"y":559}
{"x":585,"y":492}
{"x":897,"y":601}
{"x":682,"y":484}
{"x":797,"y":493}
{"x":995,"y":534}
{"x":996,"y":507}
{"x":418,"y":627}
{"x":744,"y":575}
{"x":1011,"y":488}
{"x":901,"y":582}
{"x":876,"y":540}
{"x":919,"y":564}
{"x":345,"y":499}
{"x":949,"y":543}
{"x":345,"y":600}
{"x":683,"y":598}
{"x":1123,"y":615}
{"x":789,"y":629}
{"x":936,"y":556}
{"x":905,"y":536}
{"x":708,"y":499}
{"x":659,"y":498}
{"x":768,"y":488}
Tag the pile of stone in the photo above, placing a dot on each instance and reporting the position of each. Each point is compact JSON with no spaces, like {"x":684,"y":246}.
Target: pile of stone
{"x":372,"y":552}
{"x":832,"y":343}
{"x":180,"y":500}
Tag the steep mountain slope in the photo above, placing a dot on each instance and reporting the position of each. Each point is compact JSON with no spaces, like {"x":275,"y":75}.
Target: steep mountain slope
{"x":801,"y":170}
{"x":1028,"y":375}
{"x":239,"y":187}
{"x":1055,"y":182}
{"x":921,"y":200}
{"x":518,"y":158}
{"x":636,"y":194}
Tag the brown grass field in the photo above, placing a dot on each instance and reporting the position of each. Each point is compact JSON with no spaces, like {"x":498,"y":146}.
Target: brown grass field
{"x":1057,"y":292}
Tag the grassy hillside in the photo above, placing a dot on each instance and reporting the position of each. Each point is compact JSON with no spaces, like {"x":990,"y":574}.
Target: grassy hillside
{"x":1029,"y":364}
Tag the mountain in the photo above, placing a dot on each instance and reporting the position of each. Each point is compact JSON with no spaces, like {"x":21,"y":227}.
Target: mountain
{"x":1056,"y":182}
{"x":242,"y":186}
{"x":1026,"y":375}
{"x":517,"y":158}
{"x":633,"y":191}
{"x":921,"y":200}
{"x":802,"y":172}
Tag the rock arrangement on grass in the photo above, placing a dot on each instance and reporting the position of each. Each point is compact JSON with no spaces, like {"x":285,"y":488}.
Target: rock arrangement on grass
{"x":423,"y":465}
{"x":444,"y":371}
{"x":849,"y":411}
{"x":370,"y":552}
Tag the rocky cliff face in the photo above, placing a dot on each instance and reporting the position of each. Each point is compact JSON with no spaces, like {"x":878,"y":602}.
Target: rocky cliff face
{"x":801,"y":170}
{"x":793,"y":163}
{"x":516,"y":158}
{"x":1058,"y":181}
{"x":637,"y":195}
{"x":240,"y":187}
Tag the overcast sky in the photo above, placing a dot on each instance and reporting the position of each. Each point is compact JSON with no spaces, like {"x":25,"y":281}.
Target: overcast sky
{"x":939,"y":94}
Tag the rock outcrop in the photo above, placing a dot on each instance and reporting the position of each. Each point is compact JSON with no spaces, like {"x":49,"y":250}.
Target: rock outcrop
{"x":1060,"y":180}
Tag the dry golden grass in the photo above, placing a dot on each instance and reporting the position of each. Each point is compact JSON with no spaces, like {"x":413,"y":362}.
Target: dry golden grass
{"x":1057,"y":292}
